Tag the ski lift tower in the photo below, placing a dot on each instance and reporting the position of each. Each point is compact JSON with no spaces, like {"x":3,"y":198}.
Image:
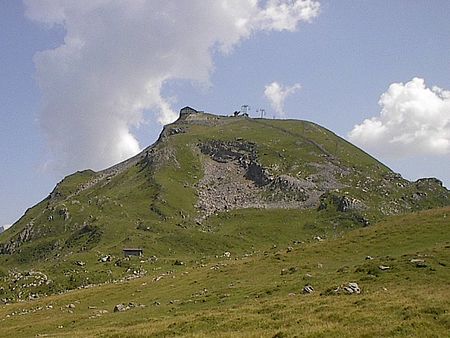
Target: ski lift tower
{"x":245,"y":109}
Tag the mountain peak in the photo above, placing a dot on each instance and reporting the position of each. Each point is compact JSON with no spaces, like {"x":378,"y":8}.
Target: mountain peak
{"x":203,"y":186}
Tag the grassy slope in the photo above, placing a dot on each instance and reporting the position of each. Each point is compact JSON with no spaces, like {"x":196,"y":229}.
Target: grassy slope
{"x":247,"y":294}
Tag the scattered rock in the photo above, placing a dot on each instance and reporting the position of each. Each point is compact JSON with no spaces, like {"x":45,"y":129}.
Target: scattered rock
{"x":105,"y":259}
{"x":352,"y":288}
{"x":369,"y":257}
{"x":417,"y":260}
{"x":348,"y":289}
{"x":120,"y":308}
{"x":420,"y":263}
{"x":384,"y":267}
{"x":291,"y":270}
{"x":308,"y":289}
{"x":153,"y":259}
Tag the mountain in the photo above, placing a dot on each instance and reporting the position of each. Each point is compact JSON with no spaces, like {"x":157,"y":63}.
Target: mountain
{"x":1,"y":229}
{"x":210,"y":184}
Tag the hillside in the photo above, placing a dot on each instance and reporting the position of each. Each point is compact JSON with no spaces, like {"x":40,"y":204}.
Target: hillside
{"x":400,"y":266}
{"x":210,"y":184}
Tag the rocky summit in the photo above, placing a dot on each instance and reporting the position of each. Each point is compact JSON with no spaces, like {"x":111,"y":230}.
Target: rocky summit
{"x":213,"y":190}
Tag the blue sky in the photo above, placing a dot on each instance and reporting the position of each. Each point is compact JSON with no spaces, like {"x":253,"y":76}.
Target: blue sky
{"x":62,"y":63}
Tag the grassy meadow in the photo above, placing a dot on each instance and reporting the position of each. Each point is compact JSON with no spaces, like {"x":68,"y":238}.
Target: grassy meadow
{"x":258,"y":293}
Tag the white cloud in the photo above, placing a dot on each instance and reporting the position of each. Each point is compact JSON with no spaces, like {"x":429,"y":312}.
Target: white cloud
{"x":277,"y":94}
{"x":414,"y":120}
{"x":118,"y":54}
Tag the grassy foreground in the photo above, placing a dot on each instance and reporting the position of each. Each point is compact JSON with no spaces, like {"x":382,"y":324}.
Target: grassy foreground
{"x":259,"y":294}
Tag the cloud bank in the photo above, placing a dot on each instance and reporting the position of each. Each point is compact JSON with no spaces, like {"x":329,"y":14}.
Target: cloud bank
{"x":414,"y":120}
{"x":117,"y":55}
{"x":276,"y":94}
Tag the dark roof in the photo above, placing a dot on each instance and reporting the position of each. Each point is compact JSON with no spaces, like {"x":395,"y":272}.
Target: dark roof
{"x":133,"y":249}
{"x":188,"y":108}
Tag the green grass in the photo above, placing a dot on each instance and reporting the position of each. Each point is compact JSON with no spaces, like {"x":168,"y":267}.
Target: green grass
{"x":247,"y":295}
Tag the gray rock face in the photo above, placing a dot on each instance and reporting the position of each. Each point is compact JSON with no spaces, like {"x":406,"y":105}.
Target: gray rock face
{"x":1,"y":229}
{"x":26,"y":235}
{"x":234,"y":179}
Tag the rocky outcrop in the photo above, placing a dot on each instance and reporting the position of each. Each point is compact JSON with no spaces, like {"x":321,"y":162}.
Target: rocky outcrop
{"x":258,"y":174}
{"x":342,"y":203}
{"x":234,"y":178}
{"x":429,"y":182}
{"x":226,"y":151}
{"x":350,"y":204}
{"x":26,"y":235}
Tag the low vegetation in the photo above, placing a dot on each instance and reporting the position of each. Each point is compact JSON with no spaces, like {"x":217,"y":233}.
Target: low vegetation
{"x":401,"y":266}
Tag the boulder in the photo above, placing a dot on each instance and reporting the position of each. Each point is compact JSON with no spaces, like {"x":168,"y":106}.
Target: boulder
{"x":105,"y":259}
{"x":121,"y":308}
{"x":420,"y":263}
{"x":348,"y":289}
{"x":352,"y":288}
{"x":308,"y":289}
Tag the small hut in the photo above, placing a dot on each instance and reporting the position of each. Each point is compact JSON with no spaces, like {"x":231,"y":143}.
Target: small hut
{"x":188,"y":111}
{"x":133,"y":252}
